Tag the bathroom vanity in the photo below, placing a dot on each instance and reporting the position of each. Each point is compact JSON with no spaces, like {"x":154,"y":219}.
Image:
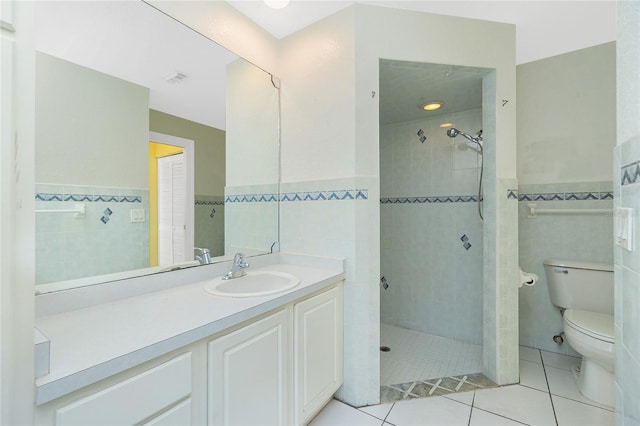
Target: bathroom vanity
{"x":182,"y":356}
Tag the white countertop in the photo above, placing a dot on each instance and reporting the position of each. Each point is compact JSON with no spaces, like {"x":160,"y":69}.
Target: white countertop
{"x":96,"y":342}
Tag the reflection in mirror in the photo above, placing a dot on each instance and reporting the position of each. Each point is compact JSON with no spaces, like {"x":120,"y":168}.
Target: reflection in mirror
{"x":164,"y":141}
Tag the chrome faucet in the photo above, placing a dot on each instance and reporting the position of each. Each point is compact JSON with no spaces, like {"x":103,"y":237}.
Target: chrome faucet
{"x":205,"y":255}
{"x":237,"y":268}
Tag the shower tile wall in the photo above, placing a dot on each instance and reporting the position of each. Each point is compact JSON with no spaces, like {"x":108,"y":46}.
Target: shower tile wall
{"x":209,"y":223}
{"x":431,"y":252}
{"x":103,"y":242}
{"x":571,"y":237}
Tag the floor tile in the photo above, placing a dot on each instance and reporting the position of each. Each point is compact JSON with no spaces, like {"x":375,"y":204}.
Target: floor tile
{"x":463,"y":397}
{"x":435,"y":411}
{"x":485,"y":418}
{"x":532,"y":375}
{"x":518,"y":403}
{"x":338,"y":414}
{"x":380,"y":411}
{"x":419,"y":356}
{"x":530,"y":354}
{"x":562,"y":383}
{"x":569,"y":412}
{"x":555,"y":360}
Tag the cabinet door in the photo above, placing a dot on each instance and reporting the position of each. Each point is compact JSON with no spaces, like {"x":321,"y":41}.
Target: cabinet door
{"x":249,"y":374}
{"x":140,"y":398}
{"x":318,"y":352}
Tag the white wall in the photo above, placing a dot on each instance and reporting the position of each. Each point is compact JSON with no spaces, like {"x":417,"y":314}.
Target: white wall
{"x":86,"y":122}
{"x":252,"y":156}
{"x":566,"y":117}
{"x":16,"y":213}
{"x":627,"y":194}
{"x":330,"y":141}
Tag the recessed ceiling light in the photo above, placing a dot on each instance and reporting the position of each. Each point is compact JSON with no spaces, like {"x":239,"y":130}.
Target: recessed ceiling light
{"x":446,"y":125}
{"x":276,"y":4}
{"x":432,"y":105}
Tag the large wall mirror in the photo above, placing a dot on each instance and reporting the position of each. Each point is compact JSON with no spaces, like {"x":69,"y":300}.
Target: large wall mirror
{"x":153,"y":144}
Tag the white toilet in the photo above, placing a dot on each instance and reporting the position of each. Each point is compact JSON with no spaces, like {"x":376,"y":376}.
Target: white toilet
{"x":584,"y":292}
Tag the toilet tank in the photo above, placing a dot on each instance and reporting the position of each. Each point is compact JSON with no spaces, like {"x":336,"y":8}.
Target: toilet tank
{"x":586,"y":286}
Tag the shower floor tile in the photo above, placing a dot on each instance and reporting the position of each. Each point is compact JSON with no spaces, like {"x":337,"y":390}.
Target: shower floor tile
{"x":419,"y":356}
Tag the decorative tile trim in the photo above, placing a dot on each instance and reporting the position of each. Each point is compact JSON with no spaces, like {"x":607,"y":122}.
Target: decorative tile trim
{"x":512,"y":194}
{"x":209,"y":203}
{"x":434,"y":387}
{"x":337,"y":195}
{"x":630,"y":173}
{"x":88,"y":198}
{"x":566,"y":196}
{"x":251,"y":198}
{"x":431,"y":200}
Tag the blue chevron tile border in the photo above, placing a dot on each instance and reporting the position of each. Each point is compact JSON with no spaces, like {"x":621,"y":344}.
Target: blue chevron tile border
{"x":512,"y":194}
{"x":209,"y":202}
{"x":566,"y":196}
{"x":430,"y":200}
{"x":88,"y":198}
{"x":251,"y":198}
{"x":337,"y":195}
{"x":630,"y":173}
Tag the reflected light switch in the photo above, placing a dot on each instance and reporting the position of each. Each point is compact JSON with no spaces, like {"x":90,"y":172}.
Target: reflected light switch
{"x":137,"y":215}
{"x":624,"y":227}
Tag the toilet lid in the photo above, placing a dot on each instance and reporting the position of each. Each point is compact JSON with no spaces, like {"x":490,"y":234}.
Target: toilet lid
{"x":593,"y":324}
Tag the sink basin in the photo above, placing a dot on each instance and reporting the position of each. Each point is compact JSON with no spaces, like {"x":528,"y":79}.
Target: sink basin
{"x":253,"y":284}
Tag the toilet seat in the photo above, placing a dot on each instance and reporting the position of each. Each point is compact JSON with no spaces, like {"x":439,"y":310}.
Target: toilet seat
{"x":594,"y":324}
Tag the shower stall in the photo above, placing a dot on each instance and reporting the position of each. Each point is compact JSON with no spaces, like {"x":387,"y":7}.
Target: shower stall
{"x":431,"y":170}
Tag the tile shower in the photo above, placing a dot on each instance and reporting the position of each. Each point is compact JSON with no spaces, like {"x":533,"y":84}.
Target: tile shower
{"x":431,"y":245}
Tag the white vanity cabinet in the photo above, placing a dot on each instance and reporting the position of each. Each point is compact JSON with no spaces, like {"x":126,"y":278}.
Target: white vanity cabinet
{"x":249,"y":375}
{"x":277,"y":368}
{"x":280,"y":370}
{"x":318,"y":352}
{"x":161,"y":395}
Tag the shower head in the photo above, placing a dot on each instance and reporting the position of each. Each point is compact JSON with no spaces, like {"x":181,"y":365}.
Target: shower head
{"x":453,"y":132}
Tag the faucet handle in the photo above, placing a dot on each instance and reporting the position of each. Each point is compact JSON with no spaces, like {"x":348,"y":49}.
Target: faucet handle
{"x":238,"y":261}
{"x":205,"y":257}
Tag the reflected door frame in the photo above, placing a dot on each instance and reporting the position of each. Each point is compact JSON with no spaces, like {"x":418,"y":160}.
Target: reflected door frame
{"x":188,"y":147}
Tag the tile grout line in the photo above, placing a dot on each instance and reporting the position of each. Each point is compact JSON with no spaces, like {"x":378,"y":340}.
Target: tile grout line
{"x":388,"y":412}
{"x":473,"y":407}
{"x":546,"y":379}
{"x":473,"y":400}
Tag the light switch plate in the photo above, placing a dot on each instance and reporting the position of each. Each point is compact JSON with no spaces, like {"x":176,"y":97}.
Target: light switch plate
{"x":137,"y":215}
{"x":624,"y":227}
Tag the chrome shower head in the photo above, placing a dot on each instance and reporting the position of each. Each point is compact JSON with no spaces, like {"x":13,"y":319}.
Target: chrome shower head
{"x":453,"y":132}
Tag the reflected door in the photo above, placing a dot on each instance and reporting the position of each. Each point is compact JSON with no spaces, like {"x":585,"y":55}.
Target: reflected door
{"x":172,"y":188}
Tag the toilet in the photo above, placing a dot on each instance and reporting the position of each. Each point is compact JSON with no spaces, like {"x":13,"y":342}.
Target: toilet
{"x":584,"y":293}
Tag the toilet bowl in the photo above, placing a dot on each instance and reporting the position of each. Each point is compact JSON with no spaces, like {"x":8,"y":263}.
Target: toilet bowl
{"x":591,"y":334}
{"x":584,"y":292}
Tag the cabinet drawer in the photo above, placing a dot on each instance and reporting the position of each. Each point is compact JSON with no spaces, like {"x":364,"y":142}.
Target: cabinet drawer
{"x":133,"y":400}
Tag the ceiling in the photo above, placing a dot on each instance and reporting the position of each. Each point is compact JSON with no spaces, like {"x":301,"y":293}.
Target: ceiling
{"x":406,"y":86}
{"x":544,"y":28}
